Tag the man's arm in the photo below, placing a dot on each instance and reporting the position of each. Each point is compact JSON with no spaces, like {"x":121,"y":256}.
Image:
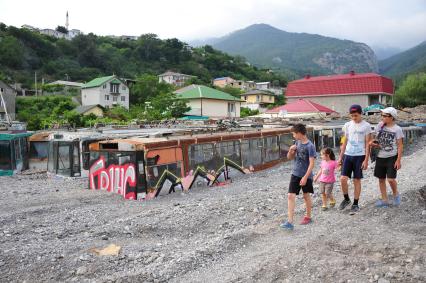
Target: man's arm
{"x":400,"y":145}
{"x":308,"y":172}
{"x":291,"y":152}
{"x":342,"y":150}
{"x":317,"y":175}
{"x":367,"y":151}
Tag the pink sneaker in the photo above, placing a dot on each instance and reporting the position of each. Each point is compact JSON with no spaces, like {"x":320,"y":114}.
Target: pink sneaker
{"x":305,"y":220}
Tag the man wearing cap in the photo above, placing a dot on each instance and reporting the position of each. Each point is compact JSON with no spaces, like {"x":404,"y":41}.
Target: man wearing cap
{"x":389,"y":140}
{"x":354,"y":155}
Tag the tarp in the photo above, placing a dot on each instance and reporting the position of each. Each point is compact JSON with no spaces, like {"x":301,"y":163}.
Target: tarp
{"x":373,"y":107}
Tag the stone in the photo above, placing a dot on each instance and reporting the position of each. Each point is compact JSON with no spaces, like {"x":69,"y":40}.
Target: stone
{"x":81,"y":270}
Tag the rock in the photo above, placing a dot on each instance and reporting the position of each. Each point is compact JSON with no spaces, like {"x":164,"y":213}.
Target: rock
{"x":81,"y":270}
{"x":104,"y":237}
{"x":383,"y":280}
{"x":389,"y":275}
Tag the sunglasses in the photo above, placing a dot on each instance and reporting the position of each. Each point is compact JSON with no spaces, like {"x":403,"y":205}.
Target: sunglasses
{"x":387,"y":116}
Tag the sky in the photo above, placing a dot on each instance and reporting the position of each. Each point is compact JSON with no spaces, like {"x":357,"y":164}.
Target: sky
{"x":379,"y":23}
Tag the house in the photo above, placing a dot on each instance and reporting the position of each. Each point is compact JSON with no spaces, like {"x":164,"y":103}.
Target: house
{"x":96,"y":109}
{"x":339,"y":92}
{"x":105,"y":91}
{"x":263,"y":85}
{"x":7,"y":104}
{"x":257,"y":99}
{"x":223,"y":81}
{"x":65,"y":87}
{"x":299,"y":108}
{"x":175,"y":79}
{"x":243,"y":85}
{"x":206,"y":101}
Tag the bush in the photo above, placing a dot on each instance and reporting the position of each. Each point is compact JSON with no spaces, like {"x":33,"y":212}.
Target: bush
{"x":412,"y":91}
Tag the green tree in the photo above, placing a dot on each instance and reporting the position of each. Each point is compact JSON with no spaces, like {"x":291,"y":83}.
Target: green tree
{"x":412,"y":91}
{"x":245,"y":112}
{"x":11,"y":52}
{"x":62,"y":29}
{"x":165,"y":106}
{"x":146,"y":87}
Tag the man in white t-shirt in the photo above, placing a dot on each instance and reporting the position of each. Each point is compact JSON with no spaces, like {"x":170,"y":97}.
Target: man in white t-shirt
{"x":354,"y":154}
{"x":389,"y":140}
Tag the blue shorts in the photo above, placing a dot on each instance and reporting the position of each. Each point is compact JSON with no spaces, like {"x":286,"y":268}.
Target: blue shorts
{"x":352,"y":166}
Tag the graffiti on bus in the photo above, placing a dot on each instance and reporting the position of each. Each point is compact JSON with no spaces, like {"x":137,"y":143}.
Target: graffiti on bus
{"x":120,"y":179}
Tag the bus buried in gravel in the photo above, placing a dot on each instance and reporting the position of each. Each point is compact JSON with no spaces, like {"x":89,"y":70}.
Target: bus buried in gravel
{"x":143,"y":168}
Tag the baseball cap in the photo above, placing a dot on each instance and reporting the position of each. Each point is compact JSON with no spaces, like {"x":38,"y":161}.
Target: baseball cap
{"x":391,"y":111}
{"x":355,"y":108}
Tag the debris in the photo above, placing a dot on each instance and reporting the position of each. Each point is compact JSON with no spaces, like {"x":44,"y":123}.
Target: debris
{"x":111,"y":249}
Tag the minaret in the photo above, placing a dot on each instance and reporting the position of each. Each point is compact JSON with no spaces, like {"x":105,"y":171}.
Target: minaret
{"x":67,"y":22}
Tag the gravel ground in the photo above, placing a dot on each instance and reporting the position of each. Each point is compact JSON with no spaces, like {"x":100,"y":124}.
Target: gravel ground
{"x":220,"y":234}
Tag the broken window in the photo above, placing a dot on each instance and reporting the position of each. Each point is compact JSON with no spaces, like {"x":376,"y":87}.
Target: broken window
{"x":271,"y":149}
{"x":286,"y":141}
{"x":252,"y":152}
{"x":39,"y":150}
{"x":5,"y":157}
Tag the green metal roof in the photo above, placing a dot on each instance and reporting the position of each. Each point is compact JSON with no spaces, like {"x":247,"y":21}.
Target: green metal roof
{"x":97,"y":82}
{"x":10,"y":136}
{"x":115,"y":81}
{"x":201,"y":91}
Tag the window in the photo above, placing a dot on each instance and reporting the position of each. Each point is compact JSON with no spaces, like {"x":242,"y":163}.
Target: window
{"x":114,"y":88}
{"x":5,"y":160}
{"x":106,"y":97}
{"x":104,"y":86}
{"x":231,"y":107}
{"x":114,"y":98}
{"x":257,"y":97}
{"x":123,"y":87}
{"x":123,"y":98}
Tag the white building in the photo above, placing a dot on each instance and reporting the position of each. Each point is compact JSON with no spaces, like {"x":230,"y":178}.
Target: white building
{"x":210,"y":102}
{"x":175,"y":79}
{"x":106,"y":91}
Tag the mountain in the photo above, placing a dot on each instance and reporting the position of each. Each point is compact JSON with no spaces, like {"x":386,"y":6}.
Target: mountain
{"x":266,"y":46}
{"x":385,"y":52}
{"x":410,"y":61}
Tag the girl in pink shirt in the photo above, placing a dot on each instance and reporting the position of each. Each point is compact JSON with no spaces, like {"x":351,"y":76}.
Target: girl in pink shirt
{"x":326,"y":177}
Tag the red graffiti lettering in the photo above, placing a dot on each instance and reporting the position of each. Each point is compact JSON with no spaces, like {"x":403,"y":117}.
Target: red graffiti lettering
{"x":114,"y":178}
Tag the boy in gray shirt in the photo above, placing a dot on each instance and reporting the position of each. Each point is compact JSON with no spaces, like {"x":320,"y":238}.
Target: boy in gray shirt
{"x":389,"y":140}
{"x":303,"y":153}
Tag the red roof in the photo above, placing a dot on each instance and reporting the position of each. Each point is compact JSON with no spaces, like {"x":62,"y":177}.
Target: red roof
{"x":345,"y":84}
{"x":301,"y":106}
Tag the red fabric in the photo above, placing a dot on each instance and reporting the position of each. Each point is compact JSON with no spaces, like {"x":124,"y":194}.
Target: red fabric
{"x":301,"y":106}
{"x":340,"y":85}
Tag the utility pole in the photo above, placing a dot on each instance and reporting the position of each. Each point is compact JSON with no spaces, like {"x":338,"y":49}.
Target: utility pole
{"x":35,"y":82}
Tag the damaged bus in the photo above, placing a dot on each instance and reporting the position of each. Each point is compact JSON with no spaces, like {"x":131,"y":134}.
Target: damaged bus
{"x":143,"y":168}
{"x":13,"y":152}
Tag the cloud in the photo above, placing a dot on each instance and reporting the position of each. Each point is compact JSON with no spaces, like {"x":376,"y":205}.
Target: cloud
{"x":395,"y":23}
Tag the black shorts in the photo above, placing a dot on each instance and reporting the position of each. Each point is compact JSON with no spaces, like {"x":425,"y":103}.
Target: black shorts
{"x":294,"y":186}
{"x":352,"y":166}
{"x":385,"y":167}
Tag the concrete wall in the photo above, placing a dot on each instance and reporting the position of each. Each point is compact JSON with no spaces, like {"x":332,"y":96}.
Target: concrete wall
{"x":213,"y":108}
{"x":9,"y":97}
{"x":96,"y":95}
{"x":342,"y":103}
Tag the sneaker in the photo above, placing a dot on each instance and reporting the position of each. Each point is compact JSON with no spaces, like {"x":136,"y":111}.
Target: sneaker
{"x":287,"y":225}
{"x":397,"y":200}
{"x":354,"y":209}
{"x":324,"y":208}
{"x":344,"y":204}
{"x":382,"y":203}
{"x":332,"y":203}
{"x":305,"y":220}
